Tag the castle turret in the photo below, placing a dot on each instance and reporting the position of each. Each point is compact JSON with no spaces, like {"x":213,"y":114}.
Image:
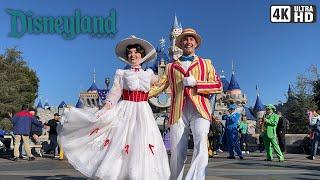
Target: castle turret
{"x":258,"y":109}
{"x":176,"y":30}
{"x":79,"y":104}
{"x":91,"y":97}
{"x":40,"y":105}
{"x":234,"y":87}
{"x":224,"y":81}
{"x":162,"y":58}
{"x":234,"y":94}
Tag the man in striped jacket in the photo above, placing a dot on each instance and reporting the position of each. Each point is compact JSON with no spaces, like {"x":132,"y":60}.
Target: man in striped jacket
{"x":191,"y":80}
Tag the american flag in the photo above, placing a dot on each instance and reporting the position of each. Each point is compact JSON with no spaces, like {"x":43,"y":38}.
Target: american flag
{"x":102,"y":94}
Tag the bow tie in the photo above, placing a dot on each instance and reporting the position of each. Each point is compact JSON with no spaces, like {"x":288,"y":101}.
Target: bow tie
{"x":187,"y":58}
{"x":135,"y":69}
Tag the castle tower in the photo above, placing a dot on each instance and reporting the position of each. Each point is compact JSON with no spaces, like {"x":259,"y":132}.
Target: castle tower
{"x":162,"y":58}
{"x":79,"y":104}
{"x":91,"y":97}
{"x":234,"y":94}
{"x":258,"y":109}
{"x":231,"y":94}
{"x":176,"y":30}
{"x":40,"y":105}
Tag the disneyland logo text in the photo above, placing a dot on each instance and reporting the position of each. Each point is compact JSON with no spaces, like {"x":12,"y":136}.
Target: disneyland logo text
{"x":66,"y":26}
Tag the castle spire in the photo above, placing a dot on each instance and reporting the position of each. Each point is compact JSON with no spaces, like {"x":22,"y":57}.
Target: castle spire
{"x":233,"y":85}
{"x":94,"y":75}
{"x":224,"y":81}
{"x":258,"y":106}
{"x":175,"y":24}
{"x":162,"y":43}
{"x":232,"y":66}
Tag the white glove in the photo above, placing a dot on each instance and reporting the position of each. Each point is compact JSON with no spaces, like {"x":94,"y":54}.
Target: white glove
{"x":189,"y":81}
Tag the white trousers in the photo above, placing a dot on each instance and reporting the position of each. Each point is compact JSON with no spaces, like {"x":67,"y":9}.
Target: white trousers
{"x":179,"y":133}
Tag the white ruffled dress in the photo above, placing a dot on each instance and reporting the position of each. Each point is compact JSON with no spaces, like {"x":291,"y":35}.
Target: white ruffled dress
{"x":121,"y":143}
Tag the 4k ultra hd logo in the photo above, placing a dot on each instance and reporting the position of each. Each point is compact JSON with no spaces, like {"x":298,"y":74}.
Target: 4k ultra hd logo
{"x":293,"y":14}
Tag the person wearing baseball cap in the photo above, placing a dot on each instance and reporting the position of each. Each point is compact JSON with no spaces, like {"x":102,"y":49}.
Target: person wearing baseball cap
{"x":232,"y":118}
{"x":270,"y":122}
{"x":53,"y":135}
{"x":191,"y":79}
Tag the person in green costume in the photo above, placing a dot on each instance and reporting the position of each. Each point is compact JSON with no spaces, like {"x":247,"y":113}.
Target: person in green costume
{"x":270,"y":122}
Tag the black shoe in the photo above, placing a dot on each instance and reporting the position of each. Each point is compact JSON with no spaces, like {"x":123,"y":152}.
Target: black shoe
{"x":311,"y":157}
{"x":15,"y":159}
{"x":231,"y":157}
{"x":267,"y":160}
{"x":31,"y":159}
{"x":241,"y":157}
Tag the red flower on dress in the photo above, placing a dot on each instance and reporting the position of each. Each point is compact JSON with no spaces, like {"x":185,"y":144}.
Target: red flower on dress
{"x":94,"y":131}
{"x":150,"y":147}
{"x":106,"y":142}
{"x":126,"y":149}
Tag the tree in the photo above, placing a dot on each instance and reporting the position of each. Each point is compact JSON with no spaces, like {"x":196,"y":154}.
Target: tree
{"x":316,"y":91}
{"x":19,"y":84}
{"x":299,"y":101}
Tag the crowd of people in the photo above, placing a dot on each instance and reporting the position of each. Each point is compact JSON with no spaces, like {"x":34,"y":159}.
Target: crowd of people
{"x":25,"y":128}
{"x":234,"y":136}
{"x":125,"y":132}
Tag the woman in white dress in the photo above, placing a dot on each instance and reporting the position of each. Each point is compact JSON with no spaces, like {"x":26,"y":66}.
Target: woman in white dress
{"x":121,"y":141}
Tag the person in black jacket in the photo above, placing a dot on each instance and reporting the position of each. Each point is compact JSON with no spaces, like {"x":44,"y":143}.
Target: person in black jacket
{"x":36,"y":131}
{"x":53,"y":135}
{"x":216,"y":128}
{"x":282,"y":128}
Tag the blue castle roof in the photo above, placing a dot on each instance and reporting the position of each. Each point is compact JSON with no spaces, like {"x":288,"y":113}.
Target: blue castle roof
{"x":258,"y":106}
{"x":93,"y":87}
{"x":62,"y":105}
{"x":161,"y":54}
{"x":39,"y":104}
{"x":46,"y":104}
{"x":233,"y":85}
{"x":176,"y":24}
{"x":79,"y":104}
{"x":225,"y":82}
{"x":249,"y":114}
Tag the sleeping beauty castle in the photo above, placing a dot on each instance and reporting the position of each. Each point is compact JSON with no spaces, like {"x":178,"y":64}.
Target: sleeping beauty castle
{"x":94,"y":96}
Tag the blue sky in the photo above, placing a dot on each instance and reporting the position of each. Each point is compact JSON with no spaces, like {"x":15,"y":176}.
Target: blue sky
{"x":270,"y":55}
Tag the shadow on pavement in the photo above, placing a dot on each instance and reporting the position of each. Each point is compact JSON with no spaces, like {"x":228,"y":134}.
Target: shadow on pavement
{"x":277,"y":164}
{"x":63,"y":177}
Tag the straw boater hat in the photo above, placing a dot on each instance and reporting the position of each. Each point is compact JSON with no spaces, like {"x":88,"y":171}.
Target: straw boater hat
{"x":148,"y":48}
{"x":188,"y":32}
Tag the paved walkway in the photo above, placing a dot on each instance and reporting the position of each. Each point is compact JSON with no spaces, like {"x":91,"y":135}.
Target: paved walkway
{"x":219,"y":168}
